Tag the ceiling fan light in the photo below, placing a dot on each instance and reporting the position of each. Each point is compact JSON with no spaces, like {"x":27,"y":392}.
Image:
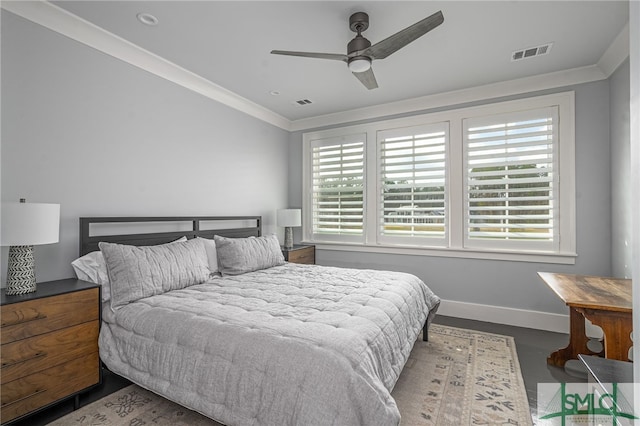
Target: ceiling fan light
{"x":360,"y":65}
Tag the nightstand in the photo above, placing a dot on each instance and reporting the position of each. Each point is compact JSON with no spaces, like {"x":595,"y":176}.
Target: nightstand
{"x":49,"y":345}
{"x":300,"y":254}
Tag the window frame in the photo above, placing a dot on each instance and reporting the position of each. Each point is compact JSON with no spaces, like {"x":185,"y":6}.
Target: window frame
{"x":481,"y":243}
{"x":565,"y":253}
{"x":345,"y":139}
{"x":382,"y":239}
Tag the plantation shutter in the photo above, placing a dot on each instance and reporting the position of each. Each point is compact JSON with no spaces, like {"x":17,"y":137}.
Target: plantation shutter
{"x":338,"y":188}
{"x":511,"y":179}
{"x":412,"y":177}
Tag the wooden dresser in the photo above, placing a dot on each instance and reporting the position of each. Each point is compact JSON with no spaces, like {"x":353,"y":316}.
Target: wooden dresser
{"x":49,"y":346}
{"x":300,"y":254}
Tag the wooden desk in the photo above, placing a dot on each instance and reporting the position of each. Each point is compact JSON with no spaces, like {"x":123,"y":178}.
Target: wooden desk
{"x":606,"y":302}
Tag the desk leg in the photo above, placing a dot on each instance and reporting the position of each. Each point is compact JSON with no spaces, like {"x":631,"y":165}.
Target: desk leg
{"x":616,"y":327}
{"x":577,"y":341}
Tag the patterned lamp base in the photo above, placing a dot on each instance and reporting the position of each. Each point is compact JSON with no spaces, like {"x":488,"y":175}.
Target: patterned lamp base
{"x":21,"y":276}
{"x":288,"y":237}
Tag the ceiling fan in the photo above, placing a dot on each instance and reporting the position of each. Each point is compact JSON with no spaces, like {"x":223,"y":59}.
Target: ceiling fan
{"x":360,"y":52}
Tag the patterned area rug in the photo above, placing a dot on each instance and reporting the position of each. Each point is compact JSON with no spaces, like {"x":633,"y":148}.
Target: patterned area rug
{"x":462,"y":377}
{"x":459,"y":377}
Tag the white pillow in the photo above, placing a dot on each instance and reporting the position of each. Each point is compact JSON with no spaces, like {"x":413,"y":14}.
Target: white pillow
{"x":212,"y":255}
{"x":92,"y":267}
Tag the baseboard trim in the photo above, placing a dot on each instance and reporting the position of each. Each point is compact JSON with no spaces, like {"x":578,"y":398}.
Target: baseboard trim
{"x":510,"y":316}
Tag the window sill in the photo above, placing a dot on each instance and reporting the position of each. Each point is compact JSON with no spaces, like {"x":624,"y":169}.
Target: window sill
{"x":521,"y":256}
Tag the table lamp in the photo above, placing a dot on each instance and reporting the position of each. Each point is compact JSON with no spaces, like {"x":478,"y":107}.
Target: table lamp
{"x":288,"y":218}
{"x":23,"y":226}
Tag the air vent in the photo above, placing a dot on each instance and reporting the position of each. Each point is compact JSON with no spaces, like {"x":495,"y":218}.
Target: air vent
{"x":302,"y":102}
{"x":531,"y":52}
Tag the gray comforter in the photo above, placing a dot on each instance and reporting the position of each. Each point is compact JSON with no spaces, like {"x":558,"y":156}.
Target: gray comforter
{"x":289,"y":345}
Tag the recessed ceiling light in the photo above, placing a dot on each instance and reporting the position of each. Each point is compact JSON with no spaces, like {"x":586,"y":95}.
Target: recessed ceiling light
{"x":147,"y":19}
{"x":274,"y":93}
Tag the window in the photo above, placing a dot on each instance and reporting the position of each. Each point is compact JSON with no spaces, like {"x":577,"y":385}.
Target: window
{"x":495,"y":181}
{"x":511,"y":184}
{"x":338,"y":188}
{"x":412,"y":180}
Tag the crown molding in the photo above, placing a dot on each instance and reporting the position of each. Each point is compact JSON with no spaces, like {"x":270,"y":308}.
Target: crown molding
{"x":490,"y":91}
{"x":615,"y":54}
{"x":63,"y":22}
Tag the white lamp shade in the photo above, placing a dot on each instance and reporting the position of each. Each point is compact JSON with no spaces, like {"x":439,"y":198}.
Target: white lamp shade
{"x":289,"y":217}
{"x":27,"y":224}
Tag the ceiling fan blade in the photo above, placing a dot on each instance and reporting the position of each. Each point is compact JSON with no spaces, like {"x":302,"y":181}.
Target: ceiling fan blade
{"x":367,"y":78}
{"x":400,"y":39}
{"x":334,"y":56}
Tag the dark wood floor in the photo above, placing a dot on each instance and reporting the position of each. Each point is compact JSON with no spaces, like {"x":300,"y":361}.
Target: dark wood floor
{"x":533,"y":347}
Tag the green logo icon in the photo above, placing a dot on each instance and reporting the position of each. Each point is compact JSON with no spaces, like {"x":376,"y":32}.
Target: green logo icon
{"x":582,"y":403}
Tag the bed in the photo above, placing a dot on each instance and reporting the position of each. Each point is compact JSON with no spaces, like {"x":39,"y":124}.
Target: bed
{"x":251,"y":340}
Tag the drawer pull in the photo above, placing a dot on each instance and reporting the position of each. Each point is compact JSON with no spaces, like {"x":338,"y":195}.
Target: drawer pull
{"x":23,"y":398}
{"x":34,"y":356}
{"x":21,"y":319}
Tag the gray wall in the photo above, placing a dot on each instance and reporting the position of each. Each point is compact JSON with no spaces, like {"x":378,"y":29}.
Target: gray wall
{"x":621,"y":223}
{"x":503,"y":283}
{"x":101,"y":137}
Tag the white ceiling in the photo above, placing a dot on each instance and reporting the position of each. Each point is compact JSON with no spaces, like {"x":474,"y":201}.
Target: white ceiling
{"x":228,"y":43}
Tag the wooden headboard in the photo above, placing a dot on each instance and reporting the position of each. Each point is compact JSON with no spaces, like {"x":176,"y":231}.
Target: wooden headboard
{"x":148,"y":231}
